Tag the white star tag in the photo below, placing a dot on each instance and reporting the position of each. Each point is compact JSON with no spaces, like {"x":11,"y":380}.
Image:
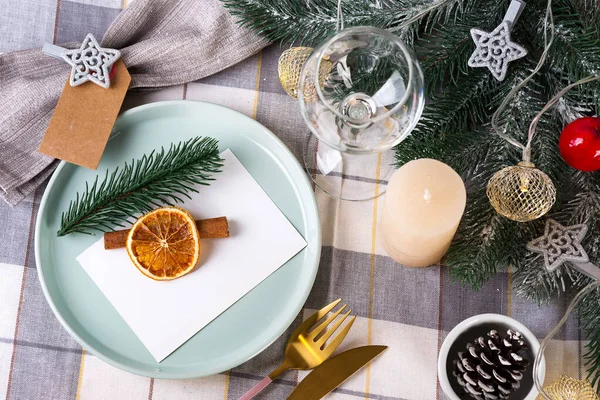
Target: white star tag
{"x":495,"y":50}
{"x":560,"y":244}
{"x":91,"y":63}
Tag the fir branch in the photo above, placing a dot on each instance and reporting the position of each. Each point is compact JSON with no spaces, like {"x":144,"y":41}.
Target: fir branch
{"x":477,"y":252}
{"x":296,"y":21}
{"x":455,"y":123}
{"x":311,"y":21}
{"x":155,"y":180}
{"x":443,"y":65}
{"x":546,"y":156}
{"x":575,"y":49}
{"x":534,"y":282}
{"x":458,"y":109}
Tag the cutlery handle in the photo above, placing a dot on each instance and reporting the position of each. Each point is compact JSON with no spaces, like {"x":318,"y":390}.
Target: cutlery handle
{"x":257,"y":388}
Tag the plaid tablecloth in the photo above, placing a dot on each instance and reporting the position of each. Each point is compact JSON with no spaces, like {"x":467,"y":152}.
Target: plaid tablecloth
{"x":410,"y":310}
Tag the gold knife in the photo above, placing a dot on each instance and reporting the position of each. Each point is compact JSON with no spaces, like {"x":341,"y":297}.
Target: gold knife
{"x":334,"y":372}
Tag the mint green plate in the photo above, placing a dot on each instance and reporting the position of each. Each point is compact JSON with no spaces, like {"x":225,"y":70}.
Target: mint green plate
{"x":246,"y":328}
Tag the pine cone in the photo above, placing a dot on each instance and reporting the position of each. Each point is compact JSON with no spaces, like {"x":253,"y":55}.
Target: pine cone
{"x":492,"y":368}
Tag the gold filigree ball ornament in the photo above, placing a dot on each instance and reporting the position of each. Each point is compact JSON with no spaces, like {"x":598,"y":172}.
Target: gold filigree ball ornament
{"x":289,"y":69}
{"x":567,"y":388}
{"x":521,"y":192}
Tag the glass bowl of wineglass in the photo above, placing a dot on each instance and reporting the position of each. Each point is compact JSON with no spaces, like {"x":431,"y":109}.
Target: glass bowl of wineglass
{"x":361,"y":94}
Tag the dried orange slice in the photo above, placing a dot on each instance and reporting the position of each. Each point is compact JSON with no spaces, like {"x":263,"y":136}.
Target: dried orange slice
{"x":164,"y":244}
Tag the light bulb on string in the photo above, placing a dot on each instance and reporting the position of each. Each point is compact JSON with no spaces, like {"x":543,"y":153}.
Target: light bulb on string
{"x":523,"y":192}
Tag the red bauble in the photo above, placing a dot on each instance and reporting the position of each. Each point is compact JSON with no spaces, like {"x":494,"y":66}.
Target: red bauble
{"x":579,"y":144}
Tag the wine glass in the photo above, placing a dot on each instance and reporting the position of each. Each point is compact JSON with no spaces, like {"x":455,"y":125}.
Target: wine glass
{"x":360,"y":93}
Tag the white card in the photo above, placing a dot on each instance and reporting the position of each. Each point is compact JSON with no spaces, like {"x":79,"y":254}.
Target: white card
{"x":262,"y":240}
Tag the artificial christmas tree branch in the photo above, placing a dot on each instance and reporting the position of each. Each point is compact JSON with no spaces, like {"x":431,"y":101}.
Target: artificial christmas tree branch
{"x":303,"y":21}
{"x":455,"y":124}
{"x":154,"y":180}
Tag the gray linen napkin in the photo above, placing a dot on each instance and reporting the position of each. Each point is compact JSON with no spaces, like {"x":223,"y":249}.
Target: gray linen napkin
{"x":163,"y":43}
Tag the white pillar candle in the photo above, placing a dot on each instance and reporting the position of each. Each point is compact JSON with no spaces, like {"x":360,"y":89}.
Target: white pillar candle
{"x":424,"y":203}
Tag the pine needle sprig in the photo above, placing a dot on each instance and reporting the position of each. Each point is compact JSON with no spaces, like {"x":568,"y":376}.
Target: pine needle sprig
{"x":458,"y":110}
{"x":157,"y":179}
{"x":575,"y":50}
{"x":309,"y":22}
{"x":477,"y":258}
{"x":443,"y":65}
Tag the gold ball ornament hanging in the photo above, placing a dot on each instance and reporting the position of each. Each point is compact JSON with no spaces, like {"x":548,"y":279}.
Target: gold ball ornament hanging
{"x":290,"y":66}
{"x":522,"y":192}
{"x":566,"y":388}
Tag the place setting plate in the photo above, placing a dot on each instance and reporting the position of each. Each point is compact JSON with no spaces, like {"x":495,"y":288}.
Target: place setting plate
{"x":264,"y":313}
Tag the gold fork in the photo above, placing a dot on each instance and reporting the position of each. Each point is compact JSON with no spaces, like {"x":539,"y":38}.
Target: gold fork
{"x":307,"y":348}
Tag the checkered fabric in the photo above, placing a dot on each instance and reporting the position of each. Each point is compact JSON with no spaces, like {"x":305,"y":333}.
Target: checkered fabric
{"x":410,"y":310}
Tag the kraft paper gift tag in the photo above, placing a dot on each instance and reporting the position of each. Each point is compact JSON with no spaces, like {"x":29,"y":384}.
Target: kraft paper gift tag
{"x":83,"y":119}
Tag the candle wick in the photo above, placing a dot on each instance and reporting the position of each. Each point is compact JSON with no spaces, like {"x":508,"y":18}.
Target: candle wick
{"x":427,"y":195}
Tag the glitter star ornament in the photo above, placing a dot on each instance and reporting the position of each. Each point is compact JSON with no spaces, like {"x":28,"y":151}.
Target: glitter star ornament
{"x":91,"y":63}
{"x":495,"y":50}
{"x":560,"y":244}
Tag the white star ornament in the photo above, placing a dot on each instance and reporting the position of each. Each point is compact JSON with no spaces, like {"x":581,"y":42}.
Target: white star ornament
{"x":560,"y":244}
{"x":495,"y":50}
{"x":91,"y":63}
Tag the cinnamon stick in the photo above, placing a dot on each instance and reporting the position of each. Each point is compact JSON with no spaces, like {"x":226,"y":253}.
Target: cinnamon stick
{"x":213,"y":228}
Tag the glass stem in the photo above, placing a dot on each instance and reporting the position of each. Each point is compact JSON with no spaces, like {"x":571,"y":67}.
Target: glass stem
{"x":544,"y":344}
{"x":356,"y":135}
